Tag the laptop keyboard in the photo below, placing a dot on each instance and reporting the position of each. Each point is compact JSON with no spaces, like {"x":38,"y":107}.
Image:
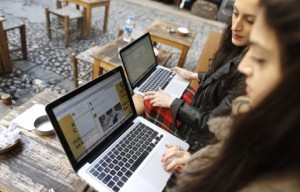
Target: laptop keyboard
{"x":115,"y":168}
{"x":159,"y":79}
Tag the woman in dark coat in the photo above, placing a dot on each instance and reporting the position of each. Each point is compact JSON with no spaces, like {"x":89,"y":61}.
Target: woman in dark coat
{"x":187,"y":117}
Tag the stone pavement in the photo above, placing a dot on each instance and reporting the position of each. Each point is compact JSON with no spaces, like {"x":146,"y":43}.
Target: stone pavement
{"x":49,"y":62}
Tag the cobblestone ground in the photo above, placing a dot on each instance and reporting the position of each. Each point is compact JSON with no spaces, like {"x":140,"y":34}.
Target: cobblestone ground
{"x":49,"y":63}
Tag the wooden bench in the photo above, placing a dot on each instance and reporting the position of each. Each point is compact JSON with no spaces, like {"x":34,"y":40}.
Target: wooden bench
{"x":210,"y":48}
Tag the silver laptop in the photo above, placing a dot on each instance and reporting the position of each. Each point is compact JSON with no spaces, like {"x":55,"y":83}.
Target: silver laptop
{"x":106,"y":143}
{"x":145,"y":74}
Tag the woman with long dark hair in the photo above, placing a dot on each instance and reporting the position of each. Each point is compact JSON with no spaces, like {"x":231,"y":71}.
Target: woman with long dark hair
{"x":263,"y":147}
{"x":187,"y":117}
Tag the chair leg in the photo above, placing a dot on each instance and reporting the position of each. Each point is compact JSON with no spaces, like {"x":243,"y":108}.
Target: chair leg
{"x":66,"y":23}
{"x":48,"y":22}
{"x":75,"y":69}
{"x":106,"y":17}
{"x":81,"y":20}
{"x":23,"y":41}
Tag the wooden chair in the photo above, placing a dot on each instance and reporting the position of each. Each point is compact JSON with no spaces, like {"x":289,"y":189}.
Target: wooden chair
{"x":10,"y":25}
{"x":211,"y":46}
{"x":60,"y":4}
{"x":85,"y":57}
{"x":65,"y":13}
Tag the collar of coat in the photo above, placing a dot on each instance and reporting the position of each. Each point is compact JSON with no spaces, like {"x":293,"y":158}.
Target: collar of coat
{"x":222,"y":70}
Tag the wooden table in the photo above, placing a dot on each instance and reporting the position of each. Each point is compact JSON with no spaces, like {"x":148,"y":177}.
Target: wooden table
{"x":108,"y":57}
{"x":88,"y":5}
{"x":5,"y":64}
{"x":159,"y":33}
{"x":5,"y":109}
{"x":38,"y":163}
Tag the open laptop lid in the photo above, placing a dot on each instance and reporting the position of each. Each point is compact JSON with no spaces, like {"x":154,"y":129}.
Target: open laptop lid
{"x":90,"y":118}
{"x":138,"y":59}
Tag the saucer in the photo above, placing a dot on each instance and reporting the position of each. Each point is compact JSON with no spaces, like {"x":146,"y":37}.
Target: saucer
{"x":182,"y":31}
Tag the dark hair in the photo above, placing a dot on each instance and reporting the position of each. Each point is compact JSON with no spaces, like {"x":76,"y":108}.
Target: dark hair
{"x":286,"y":28}
{"x":266,"y":140}
{"x":227,"y":50}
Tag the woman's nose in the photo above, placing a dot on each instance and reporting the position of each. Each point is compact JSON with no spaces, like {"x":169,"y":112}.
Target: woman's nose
{"x":245,"y":68}
{"x":237,"y":24}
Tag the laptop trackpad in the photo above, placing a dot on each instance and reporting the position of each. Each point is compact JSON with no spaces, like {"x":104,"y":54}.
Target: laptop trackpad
{"x":154,"y":173}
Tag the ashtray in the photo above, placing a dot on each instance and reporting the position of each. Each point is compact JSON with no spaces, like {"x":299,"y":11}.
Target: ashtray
{"x":9,"y":147}
{"x":43,"y":126}
{"x":182,"y":31}
{"x":9,"y":137}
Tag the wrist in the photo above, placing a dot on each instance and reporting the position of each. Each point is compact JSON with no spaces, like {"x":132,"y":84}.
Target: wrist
{"x":194,"y":76}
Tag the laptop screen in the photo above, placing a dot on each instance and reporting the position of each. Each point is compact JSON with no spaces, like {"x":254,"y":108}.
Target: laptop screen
{"x":138,"y":58}
{"x":88,"y":117}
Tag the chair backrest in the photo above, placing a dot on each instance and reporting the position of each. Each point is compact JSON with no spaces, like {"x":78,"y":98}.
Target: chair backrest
{"x":61,"y":3}
{"x":210,"y":48}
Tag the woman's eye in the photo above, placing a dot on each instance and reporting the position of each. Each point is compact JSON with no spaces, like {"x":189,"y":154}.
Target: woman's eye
{"x":250,"y":20}
{"x":258,"y":60}
{"x":235,"y":13}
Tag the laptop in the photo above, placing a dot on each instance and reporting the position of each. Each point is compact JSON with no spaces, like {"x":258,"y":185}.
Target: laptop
{"x":107,"y":144}
{"x":145,"y":74}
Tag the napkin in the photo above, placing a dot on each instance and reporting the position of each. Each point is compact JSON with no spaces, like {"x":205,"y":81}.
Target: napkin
{"x":27,"y":118}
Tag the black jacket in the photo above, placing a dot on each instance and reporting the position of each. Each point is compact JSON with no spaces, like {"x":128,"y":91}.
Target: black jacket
{"x":213,"y":98}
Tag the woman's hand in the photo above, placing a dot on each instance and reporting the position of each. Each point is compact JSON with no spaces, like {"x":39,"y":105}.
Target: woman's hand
{"x":175,"y":158}
{"x":188,"y":75}
{"x":159,"y":98}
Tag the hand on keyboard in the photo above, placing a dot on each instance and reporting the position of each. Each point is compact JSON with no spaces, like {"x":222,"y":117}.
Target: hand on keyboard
{"x":188,"y":75}
{"x":174,"y":158}
{"x":159,"y":98}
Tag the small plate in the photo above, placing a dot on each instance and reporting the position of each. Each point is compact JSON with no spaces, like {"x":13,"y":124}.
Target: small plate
{"x":43,"y":126}
{"x":182,"y":31}
{"x":10,"y":147}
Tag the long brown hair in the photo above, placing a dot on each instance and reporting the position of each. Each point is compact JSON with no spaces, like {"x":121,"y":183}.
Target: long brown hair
{"x":227,"y":50}
{"x":225,"y":53}
{"x":267,"y":139}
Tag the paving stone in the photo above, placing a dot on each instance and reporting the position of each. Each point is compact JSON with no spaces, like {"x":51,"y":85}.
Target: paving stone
{"x":44,"y":75}
{"x":66,"y":84}
{"x":23,"y":65}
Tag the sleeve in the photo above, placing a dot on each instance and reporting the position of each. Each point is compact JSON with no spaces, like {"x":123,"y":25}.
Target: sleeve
{"x":202,"y":158}
{"x":196,"y":119}
{"x":188,"y":114}
{"x":201,"y":76}
{"x":193,"y":117}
